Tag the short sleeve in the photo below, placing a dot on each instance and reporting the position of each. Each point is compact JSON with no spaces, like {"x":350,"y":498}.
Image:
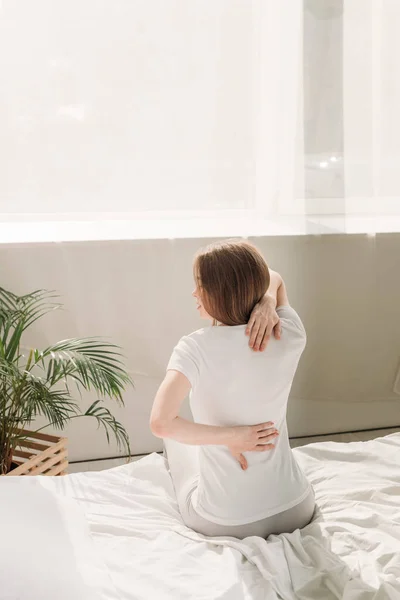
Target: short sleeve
{"x":185,"y":359}
{"x":291,"y":321}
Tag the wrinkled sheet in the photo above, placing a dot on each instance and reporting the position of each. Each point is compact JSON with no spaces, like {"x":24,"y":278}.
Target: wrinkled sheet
{"x":350,"y":551}
{"x":47,"y":551}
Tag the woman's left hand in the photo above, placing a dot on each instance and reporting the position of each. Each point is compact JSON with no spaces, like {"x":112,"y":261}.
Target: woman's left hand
{"x":263,"y":320}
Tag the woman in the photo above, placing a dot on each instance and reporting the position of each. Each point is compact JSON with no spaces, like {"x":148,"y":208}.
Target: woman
{"x":233,"y":470}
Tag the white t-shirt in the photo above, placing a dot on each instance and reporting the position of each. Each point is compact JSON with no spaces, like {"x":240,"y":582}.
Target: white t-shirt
{"x":233,"y":385}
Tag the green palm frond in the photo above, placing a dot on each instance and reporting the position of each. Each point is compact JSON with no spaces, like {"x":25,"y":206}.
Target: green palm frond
{"x":39,"y":399}
{"x":109,"y":423}
{"x":94,"y":364}
{"x":8,"y":369}
{"x":39,"y":384}
{"x":17,"y":313}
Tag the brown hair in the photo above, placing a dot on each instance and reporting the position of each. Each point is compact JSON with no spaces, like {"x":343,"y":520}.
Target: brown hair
{"x":232,"y":277}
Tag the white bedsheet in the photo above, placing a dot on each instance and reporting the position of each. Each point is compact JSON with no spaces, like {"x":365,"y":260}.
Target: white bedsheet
{"x":350,"y":551}
{"x":46,"y":549}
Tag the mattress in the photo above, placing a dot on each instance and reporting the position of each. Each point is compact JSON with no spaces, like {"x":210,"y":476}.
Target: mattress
{"x":350,"y":551}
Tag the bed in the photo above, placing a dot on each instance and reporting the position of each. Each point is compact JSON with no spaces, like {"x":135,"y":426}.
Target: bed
{"x":123,"y":528}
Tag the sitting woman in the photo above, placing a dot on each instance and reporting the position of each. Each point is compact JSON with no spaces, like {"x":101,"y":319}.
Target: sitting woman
{"x":233,"y":469}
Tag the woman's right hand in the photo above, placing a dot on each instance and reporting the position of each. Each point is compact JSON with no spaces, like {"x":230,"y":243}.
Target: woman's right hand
{"x":251,"y":438}
{"x":263,"y":321}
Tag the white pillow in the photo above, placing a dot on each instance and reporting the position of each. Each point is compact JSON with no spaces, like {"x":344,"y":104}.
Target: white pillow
{"x":46,"y":550}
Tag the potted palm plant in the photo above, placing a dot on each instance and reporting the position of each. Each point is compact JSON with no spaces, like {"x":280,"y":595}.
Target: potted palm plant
{"x":37,"y":382}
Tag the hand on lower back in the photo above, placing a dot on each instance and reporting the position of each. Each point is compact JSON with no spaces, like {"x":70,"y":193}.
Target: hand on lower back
{"x":251,"y":438}
{"x":240,"y":458}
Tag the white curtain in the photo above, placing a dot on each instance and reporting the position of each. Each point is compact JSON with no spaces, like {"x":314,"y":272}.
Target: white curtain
{"x":114,"y":106}
{"x":371,"y":101}
{"x":278,"y":106}
{"x":120,"y":105}
{"x":150,"y":105}
{"x":352,"y":121}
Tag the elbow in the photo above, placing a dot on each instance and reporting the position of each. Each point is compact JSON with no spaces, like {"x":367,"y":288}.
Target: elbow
{"x":158,"y":428}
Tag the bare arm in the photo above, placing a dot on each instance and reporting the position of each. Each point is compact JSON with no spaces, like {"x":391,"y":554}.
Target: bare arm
{"x":281,"y":294}
{"x":274,"y":285}
{"x":165,"y":422}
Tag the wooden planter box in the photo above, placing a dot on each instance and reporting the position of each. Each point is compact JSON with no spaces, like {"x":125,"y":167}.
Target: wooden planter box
{"x":41,"y":454}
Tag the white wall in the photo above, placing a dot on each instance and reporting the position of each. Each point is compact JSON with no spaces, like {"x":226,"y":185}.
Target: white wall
{"x":345,"y":287}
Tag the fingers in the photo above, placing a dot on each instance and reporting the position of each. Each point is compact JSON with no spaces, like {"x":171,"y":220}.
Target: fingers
{"x":265,"y":339}
{"x":264,"y":433}
{"x":266,"y":438}
{"x":250,"y":324}
{"x":259,"y":338}
{"x":264,"y":426}
{"x":253,"y":335}
{"x":242,"y":461}
{"x":263,"y":448}
{"x":278,"y":330}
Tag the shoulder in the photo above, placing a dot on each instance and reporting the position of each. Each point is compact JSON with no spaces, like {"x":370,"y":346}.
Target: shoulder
{"x":196,"y":339}
{"x":291,"y":321}
{"x":191,"y":343}
{"x":198,"y":336}
{"x":187,"y":356}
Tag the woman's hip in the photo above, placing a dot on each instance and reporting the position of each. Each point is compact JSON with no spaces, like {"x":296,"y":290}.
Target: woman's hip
{"x":184,"y":467}
{"x":287,"y":521}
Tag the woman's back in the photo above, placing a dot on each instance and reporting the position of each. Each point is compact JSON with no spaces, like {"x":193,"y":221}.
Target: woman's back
{"x":232,"y":385}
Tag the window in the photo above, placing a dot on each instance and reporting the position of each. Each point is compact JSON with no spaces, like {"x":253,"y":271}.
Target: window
{"x":283,"y":108}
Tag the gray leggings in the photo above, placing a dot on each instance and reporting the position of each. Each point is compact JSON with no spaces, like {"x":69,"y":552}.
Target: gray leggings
{"x":184,"y":468}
